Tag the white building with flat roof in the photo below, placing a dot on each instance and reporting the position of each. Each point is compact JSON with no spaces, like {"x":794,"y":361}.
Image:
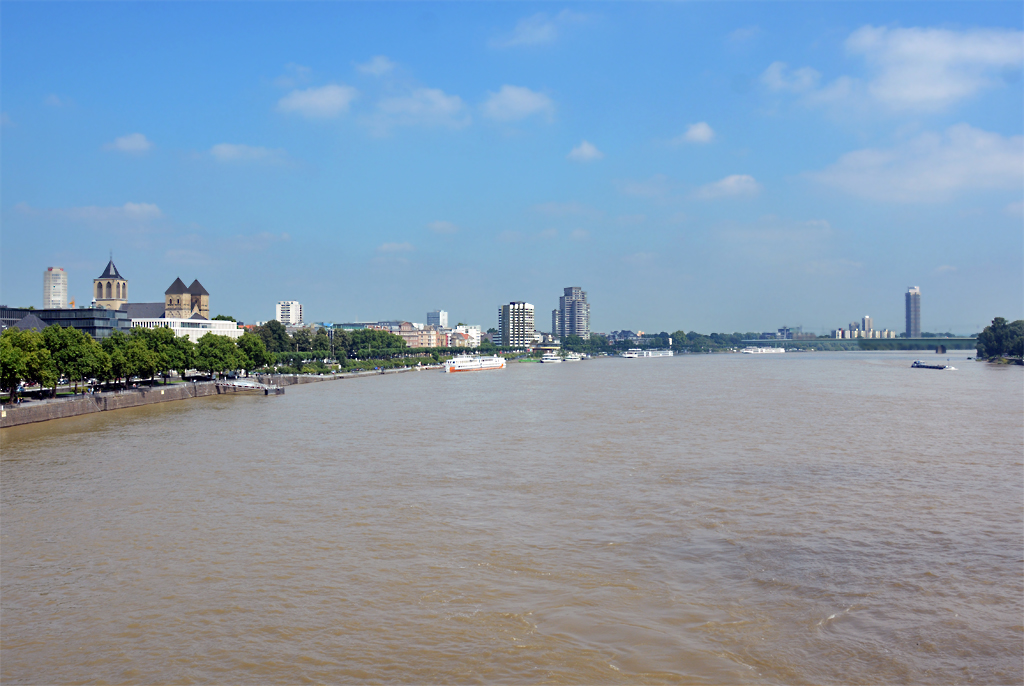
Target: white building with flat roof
{"x":515,"y":324}
{"x":55,"y":288}
{"x":194,"y":328}
{"x":289,"y":312}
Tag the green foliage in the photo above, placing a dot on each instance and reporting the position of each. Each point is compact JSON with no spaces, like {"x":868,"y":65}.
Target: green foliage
{"x":224,"y":318}
{"x":26,"y":359}
{"x":1001,"y":339}
{"x":253,"y":352}
{"x":321,"y":341}
{"x":364,"y":343}
{"x":216,"y":354}
{"x":274,"y":336}
{"x":302,"y":341}
{"x":69,"y":353}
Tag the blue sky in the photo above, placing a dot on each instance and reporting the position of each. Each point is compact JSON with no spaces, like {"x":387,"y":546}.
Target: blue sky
{"x":705,"y":166}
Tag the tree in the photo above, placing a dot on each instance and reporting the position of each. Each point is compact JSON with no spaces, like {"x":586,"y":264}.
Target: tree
{"x":69,"y":352}
{"x":215,"y":354}
{"x":24,"y":357}
{"x":160,"y":341}
{"x":321,"y":341}
{"x":253,"y":352}
{"x":181,"y":355}
{"x":13,"y":365}
{"x":116,"y":347}
{"x":141,"y":360}
{"x":1001,"y":338}
{"x":302,"y":341}
{"x":375,"y":343}
{"x":274,"y":336}
{"x":224,"y":318}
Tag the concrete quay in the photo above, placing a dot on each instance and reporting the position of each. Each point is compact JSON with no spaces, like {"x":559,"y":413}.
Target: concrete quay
{"x":59,"y":408}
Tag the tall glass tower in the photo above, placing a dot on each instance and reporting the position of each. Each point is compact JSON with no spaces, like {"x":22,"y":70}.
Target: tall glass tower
{"x":913,"y":312}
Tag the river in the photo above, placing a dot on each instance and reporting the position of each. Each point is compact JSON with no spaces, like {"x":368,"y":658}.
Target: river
{"x":815,"y":518}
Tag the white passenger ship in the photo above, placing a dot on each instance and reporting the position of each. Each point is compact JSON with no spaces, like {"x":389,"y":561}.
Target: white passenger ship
{"x":641,"y":352}
{"x":762,"y":351}
{"x":550,"y":357}
{"x":473,"y":363}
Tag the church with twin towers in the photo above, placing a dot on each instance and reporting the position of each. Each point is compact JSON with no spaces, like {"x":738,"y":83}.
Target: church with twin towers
{"x":572,"y":318}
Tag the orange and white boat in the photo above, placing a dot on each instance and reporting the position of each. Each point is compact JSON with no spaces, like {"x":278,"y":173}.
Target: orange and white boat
{"x":473,"y":363}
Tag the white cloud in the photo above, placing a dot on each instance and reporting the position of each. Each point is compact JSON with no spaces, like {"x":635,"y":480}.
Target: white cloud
{"x":778,"y":77}
{"x":579,"y":235}
{"x":737,"y":185}
{"x":932,"y":68}
{"x":395,"y":248}
{"x":426,"y":106}
{"x":230,"y":152}
{"x":513,"y":103}
{"x":931,"y":167}
{"x":442,"y":227}
{"x":585,"y":152}
{"x":133,"y":143}
{"x":53,"y":100}
{"x":537,"y":30}
{"x":945,"y":269}
{"x":5,"y":120}
{"x":377,"y":66}
{"x":1015,"y":208}
{"x":293,"y":76}
{"x":910,"y":69}
{"x":319,"y":103}
{"x":696,"y":133}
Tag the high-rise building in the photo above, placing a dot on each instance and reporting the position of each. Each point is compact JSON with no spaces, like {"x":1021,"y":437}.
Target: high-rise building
{"x":572,"y":318}
{"x":55,"y":288}
{"x":110,"y":290}
{"x":289,"y":312}
{"x":913,"y":312}
{"x":515,"y":323}
{"x":865,"y":324}
{"x":438,"y":318}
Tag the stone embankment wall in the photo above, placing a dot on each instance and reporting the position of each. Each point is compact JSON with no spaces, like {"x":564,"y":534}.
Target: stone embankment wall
{"x":58,"y":408}
{"x":41,"y":411}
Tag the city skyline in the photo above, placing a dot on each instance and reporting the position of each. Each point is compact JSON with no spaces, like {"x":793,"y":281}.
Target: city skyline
{"x":692,"y":169}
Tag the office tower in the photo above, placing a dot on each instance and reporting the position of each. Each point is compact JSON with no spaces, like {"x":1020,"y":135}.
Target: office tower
{"x":572,"y":318}
{"x":438,"y":318}
{"x":289,"y":313}
{"x":866,"y":323}
{"x":515,"y":323}
{"x":110,"y":290}
{"x":55,"y":288}
{"x":914,"y":312}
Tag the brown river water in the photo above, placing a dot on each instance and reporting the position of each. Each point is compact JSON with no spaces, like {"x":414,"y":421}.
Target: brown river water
{"x":819,"y":518}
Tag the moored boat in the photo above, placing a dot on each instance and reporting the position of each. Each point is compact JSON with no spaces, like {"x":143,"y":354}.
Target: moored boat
{"x":550,"y":357}
{"x":473,"y":363}
{"x":762,"y":351}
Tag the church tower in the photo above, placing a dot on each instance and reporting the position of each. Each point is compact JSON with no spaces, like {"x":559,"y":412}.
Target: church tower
{"x":111,"y":289}
{"x":200,"y":299}
{"x":177,"y":302}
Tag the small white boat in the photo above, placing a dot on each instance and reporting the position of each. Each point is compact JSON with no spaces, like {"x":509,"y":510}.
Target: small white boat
{"x":631,"y":353}
{"x":473,"y":363}
{"x":550,"y":358}
{"x":573,"y":357}
{"x":762,"y":351}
